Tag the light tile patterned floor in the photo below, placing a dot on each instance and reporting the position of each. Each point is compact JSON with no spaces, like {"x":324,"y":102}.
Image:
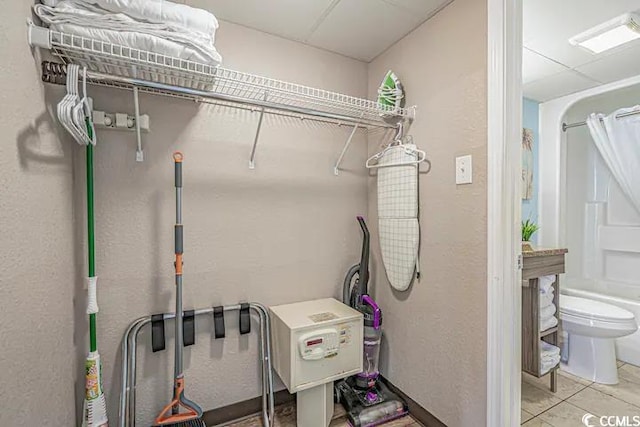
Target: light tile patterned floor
{"x":576,"y":397}
{"x":286,"y":417}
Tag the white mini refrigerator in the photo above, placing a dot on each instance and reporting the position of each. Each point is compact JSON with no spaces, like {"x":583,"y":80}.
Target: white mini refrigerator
{"x":315,"y":343}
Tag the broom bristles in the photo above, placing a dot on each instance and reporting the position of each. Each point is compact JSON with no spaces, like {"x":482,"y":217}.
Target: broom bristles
{"x":95,"y":412}
{"x":95,"y":405}
{"x":196,"y":422}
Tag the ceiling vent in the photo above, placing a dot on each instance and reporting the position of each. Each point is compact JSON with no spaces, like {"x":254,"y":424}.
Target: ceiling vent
{"x":618,"y":31}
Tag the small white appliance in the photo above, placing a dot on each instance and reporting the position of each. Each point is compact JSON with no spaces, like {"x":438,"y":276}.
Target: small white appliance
{"x":315,"y":343}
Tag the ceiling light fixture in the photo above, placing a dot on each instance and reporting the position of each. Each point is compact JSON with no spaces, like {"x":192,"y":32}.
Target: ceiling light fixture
{"x":610,"y":34}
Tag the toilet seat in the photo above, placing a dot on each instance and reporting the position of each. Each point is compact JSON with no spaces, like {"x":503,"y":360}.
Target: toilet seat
{"x":586,"y":309}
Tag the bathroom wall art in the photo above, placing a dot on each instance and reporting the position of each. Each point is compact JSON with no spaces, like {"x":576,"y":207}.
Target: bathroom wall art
{"x":527,"y":164}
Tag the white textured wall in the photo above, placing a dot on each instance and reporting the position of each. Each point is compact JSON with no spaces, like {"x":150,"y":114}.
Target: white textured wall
{"x":434,"y":347}
{"x":283,"y":232}
{"x":38,"y":295}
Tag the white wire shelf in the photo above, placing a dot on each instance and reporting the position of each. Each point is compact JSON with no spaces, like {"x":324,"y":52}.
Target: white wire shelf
{"x":123,"y":66}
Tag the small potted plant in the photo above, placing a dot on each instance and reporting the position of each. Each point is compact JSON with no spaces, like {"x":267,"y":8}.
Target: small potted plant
{"x":528,"y":229}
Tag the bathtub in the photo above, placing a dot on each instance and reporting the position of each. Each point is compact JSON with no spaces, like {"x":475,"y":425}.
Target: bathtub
{"x":624,"y":296}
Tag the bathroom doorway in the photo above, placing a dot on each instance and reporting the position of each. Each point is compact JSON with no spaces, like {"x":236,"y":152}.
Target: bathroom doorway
{"x":574,"y":198}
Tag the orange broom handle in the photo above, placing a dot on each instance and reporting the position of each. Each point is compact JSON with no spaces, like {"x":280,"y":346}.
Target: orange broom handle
{"x":177,"y":158}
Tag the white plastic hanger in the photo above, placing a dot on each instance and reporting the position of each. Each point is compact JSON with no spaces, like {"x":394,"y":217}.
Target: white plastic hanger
{"x":74,"y":113}
{"x":79,"y":121}
{"x":61,"y":105}
{"x":65,"y":106}
{"x":398,"y":142}
{"x":372,"y":161}
{"x":81,"y":114}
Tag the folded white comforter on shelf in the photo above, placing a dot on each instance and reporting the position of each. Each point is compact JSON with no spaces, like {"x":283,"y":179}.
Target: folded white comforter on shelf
{"x":117,"y":28}
{"x":155,"y":11}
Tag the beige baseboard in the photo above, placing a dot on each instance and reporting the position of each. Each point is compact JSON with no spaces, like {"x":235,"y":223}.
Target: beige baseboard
{"x":254,"y":406}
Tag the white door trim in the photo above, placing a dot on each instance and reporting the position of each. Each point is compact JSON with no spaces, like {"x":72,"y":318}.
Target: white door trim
{"x":504,"y":133}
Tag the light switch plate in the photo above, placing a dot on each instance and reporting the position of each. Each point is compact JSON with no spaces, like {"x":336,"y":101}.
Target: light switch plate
{"x":464,"y":170}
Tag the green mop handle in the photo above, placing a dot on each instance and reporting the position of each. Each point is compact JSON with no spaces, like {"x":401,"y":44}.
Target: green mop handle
{"x":92,"y":305}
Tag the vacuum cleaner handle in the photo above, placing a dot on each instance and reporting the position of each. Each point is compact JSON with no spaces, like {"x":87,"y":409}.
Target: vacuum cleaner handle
{"x":363,"y":279}
{"x":347,"y":286}
{"x":366,"y":299}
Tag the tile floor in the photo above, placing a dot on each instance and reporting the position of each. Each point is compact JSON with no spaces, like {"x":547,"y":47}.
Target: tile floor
{"x":286,"y":417}
{"x":575,"y":397}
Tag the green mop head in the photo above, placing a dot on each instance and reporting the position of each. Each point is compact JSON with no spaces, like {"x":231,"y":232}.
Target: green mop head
{"x":391,"y":95}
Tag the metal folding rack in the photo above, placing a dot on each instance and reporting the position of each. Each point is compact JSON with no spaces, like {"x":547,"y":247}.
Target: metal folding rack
{"x":127,"y":408}
{"x":129,"y":68}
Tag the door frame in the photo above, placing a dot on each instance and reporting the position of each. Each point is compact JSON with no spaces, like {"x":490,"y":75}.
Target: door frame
{"x":504,"y":133}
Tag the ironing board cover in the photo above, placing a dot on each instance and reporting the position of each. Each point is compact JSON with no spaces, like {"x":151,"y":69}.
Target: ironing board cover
{"x":398,"y":225}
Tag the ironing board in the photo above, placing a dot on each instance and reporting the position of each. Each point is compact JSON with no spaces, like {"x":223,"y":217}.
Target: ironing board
{"x":398,"y":224}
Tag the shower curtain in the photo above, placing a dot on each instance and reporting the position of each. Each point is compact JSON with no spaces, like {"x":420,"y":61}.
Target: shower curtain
{"x":618,"y":141}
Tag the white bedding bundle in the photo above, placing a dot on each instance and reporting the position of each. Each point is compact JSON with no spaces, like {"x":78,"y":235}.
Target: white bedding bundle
{"x":161,"y":12}
{"x":157,"y":26}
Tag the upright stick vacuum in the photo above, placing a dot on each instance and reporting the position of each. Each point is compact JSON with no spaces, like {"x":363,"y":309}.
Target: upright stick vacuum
{"x":367,"y":400}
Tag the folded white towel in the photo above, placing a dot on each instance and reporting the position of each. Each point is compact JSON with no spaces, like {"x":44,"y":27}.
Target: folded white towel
{"x":545,"y":282}
{"x":549,"y":357}
{"x":545,"y":300}
{"x":547,"y":365}
{"x":546,"y":348}
{"x":547,"y":312}
{"x":548,"y":323}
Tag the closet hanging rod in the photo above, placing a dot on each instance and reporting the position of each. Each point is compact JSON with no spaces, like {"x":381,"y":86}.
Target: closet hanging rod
{"x":584,"y":123}
{"x":101,"y":79}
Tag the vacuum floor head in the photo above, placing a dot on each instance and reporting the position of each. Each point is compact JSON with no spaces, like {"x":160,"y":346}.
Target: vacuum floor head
{"x":365,"y":412}
{"x":378,"y":414}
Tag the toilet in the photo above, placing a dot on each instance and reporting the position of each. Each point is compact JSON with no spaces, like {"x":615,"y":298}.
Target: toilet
{"x":593,"y":327}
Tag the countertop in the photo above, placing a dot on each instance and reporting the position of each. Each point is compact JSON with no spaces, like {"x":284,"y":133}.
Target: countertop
{"x":544,"y":252}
